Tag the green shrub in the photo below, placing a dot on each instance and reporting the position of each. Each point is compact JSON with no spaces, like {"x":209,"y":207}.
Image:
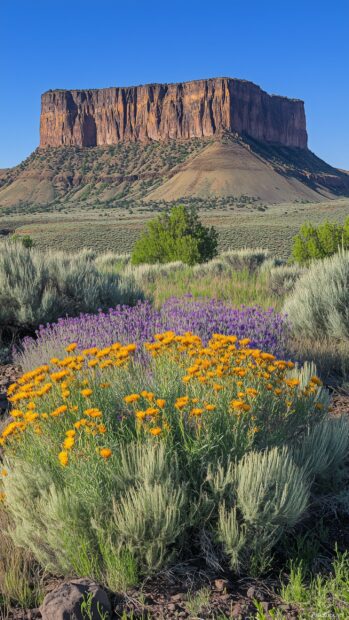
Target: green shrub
{"x":176,"y":236}
{"x":38,"y":287}
{"x":319,"y":596}
{"x":318,"y":306}
{"x":314,"y":242}
{"x":150,"y":514}
{"x":25,"y":240}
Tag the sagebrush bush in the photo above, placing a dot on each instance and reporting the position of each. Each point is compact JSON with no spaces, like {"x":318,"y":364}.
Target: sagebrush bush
{"x":247,"y":258}
{"x":324,"y":448}
{"x":20,"y":578}
{"x":318,"y":306}
{"x":110,"y":261}
{"x":113,"y":463}
{"x":215,"y":267}
{"x":270,"y":494}
{"x":148,"y":273}
{"x":37,"y":287}
{"x":282,"y":279}
{"x":149,"y":515}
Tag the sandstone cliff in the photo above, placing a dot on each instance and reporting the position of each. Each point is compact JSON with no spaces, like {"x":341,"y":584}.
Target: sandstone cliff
{"x":170,"y":111}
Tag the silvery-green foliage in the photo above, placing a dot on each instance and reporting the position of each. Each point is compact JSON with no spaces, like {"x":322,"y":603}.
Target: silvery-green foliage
{"x":271,"y":263}
{"x":138,"y":512}
{"x":282,"y":279}
{"x":214,"y":267}
{"x":271,"y":495}
{"x":149,"y":273}
{"x":148,"y":519}
{"x":112,"y":262}
{"x":152,"y":511}
{"x":26,"y":494}
{"x":232,"y":535}
{"x":246,"y":258}
{"x":38,"y":287}
{"x":53,"y":523}
{"x":271,"y":488}
{"x":222,"y":481}
{"x":140,"y":463}
{"x":318,"y":306}
{"x":324,"y":448}
{"x":68,"y":532}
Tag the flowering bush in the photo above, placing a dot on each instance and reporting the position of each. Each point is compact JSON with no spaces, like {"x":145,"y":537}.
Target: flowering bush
{"x":110,"y":457}
{"x":244,"y":380}
{"x":266,"y":328}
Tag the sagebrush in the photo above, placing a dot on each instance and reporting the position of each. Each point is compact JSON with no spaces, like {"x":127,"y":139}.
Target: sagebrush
{"x":38,"y":287}
{"x":318,"y":306}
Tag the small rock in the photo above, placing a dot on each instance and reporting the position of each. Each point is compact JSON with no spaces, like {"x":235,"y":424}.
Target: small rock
{"x":221,"y":584}
{"x":178,"y":597}
{"x":236,"y":610}
{"x":65,"y":601}
{"x":265,"y":605}
{"x":171,"y":607}
{"x":253,"y":592}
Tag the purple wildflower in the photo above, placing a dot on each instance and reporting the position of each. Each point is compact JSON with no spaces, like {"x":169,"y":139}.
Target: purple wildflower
{"x":267,"y":329}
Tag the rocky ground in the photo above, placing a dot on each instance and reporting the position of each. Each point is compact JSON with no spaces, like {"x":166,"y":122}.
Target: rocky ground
{"x":193,"y":596}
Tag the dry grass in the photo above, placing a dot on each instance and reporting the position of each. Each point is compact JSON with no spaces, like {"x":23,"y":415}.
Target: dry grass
{"x":117,"y":229}
{"x":236,"y":287}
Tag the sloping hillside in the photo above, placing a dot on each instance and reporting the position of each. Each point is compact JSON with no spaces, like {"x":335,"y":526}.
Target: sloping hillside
{"x":130,"y":174}
{"x":231,"y":168}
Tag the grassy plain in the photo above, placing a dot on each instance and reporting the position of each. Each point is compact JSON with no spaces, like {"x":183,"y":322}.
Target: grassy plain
{"x":117,"y":229}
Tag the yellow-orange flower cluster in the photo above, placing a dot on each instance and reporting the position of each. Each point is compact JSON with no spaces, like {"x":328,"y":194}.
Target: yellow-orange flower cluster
{"x":58,"y":379}
{"x":222,"y":375}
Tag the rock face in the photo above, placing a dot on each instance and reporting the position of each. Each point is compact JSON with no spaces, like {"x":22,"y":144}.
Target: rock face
{"x":170,"y":111}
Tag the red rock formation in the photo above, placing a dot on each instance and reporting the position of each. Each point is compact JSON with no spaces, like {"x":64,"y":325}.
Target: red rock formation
{"x":170,"y":111}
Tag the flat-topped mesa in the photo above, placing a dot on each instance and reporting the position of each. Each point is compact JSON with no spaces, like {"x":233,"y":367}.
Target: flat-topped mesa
{"x":170,"y":111}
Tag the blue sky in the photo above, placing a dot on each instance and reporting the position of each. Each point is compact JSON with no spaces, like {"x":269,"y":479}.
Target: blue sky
{"x":289,"y":47}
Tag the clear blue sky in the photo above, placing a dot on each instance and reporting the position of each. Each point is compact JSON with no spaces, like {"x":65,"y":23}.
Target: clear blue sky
{"x":289,"y":47}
